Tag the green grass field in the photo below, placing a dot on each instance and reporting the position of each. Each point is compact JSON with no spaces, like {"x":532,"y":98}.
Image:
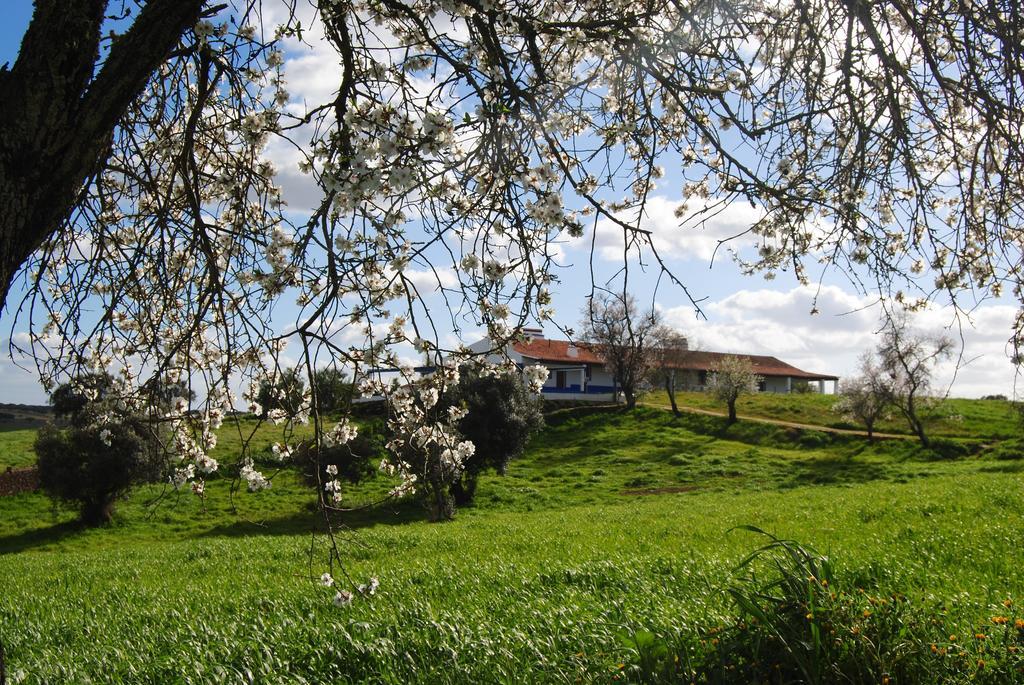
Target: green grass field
{"x":953,"y":417}
{"x":605,"y":555}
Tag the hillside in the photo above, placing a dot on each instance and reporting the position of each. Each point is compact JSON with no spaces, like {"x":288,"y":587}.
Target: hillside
{"x":953,"y":417}
{"x":615,"y":525}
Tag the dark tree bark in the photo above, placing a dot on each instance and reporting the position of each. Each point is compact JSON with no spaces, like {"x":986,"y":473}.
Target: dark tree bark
{"x":670,"y":388}
{"x":732,"y":412}
{"x":630,"y":398}
{"x":62,"y":103}
{"x":464,"y":489}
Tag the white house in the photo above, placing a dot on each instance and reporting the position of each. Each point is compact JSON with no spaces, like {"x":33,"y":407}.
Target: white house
{"x":577,"y":372}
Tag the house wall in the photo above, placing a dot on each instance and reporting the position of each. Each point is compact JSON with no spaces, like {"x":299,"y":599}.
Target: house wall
{"x":600,"y":380}
{"x":776,"y":384}
{"x":575,"y":378}
{"x":689,"y":379}
{"x":485,"y":345}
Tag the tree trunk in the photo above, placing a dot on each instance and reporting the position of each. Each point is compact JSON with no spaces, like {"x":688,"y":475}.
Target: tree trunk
{"x":870,"y":426}
{"x":919,"y":431}
{"x":464,"y":489}
{"x":440,"y":503}
{"x":61,"y":108}
{"x":916,"y":425}
{"x":630,"y":398}
{"x":732,"y":412}
{"x":670,"y":388}
{"x":97,"y":513}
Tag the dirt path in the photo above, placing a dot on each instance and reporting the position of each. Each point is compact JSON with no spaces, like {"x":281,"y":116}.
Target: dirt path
{"x":787,"y":424}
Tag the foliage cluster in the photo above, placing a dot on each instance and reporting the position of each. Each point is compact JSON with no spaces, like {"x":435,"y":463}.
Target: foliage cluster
{"x":501,"y":417}
{"x":494,"y":410}
{"x":105,"y":451}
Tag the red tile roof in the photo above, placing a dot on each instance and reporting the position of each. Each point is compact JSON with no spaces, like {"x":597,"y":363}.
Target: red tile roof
{"x":546,"y":350}
{"x":698,"y":360}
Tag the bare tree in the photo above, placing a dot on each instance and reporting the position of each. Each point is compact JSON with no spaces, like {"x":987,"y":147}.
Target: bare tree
{"x":866,"y":398}
{"x":624,"y":337}
{"x":908,"y":358}
{"x":668,"y":352}
{"x":732,"y":377}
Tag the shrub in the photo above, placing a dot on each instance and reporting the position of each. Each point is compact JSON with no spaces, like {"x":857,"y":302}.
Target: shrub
{"x":102,"y":455}
{"x":501,"y":416}
{"x":332,"y":389}
{"x":355,"y":460}
{"x":70,"y":400}
{"x":95,"y":465}
{"x":286,"y":391}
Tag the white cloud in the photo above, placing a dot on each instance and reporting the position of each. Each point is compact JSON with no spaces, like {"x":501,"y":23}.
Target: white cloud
{"x":779,"y":323}
{"x":20,"y":383}
{"x":428,"y":280}
{"x":696,"y":235}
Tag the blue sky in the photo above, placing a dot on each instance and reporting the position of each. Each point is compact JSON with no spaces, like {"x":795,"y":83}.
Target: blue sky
{"x":744,"y":314}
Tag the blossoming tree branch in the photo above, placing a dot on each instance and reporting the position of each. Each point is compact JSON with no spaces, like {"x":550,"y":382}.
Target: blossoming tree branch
{"x":143,"y":232}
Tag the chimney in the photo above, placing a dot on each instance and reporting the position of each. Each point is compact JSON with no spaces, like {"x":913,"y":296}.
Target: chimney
{"x":534,"y":333}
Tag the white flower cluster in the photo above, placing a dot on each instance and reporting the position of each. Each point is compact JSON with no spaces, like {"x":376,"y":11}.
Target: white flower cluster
{"x":281,"y":452}
{"x":427,"y":440}
{"x":343,"y":432}
{"x":333,"y":489}
{"x":343,"y":598}
{"x":183,"y":475}
{"x":535,"y":375}
{"x":254,"y":479}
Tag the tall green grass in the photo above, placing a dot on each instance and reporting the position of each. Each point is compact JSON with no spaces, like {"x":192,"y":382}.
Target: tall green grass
{"x":605,"y":555}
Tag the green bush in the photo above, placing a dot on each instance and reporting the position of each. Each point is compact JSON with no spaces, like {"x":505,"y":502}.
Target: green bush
{"x":70,"y":400}
{"x":333,"y":390}
{"x":356,"y":460}
{"x":102,"y":455}
{"x":501,"y":415}
{"x":93,"y":466}
{"x":286,"y":392}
